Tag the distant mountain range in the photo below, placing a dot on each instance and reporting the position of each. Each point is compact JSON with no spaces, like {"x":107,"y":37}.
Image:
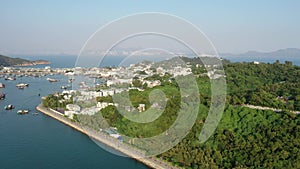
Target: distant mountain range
{"x":289,"y":52}
{"x":8,"y":61}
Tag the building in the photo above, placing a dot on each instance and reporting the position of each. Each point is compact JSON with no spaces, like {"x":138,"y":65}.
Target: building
{"x":102,"y":105}
{"x":73,"y":107}
{"x":70,"y":114}
{"x":152,"y":84}
{"x":90,"y":110}
{"x":141,"y":107}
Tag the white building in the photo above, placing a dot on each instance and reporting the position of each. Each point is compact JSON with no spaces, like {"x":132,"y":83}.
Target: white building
{"x":141,"y":107}
{"x":102,"y":105}
{"x":70,"y":114}
{"x":118,"y":81}
{"x":152,"y":84}
{"x":90,"y":110}
{"x":73,"y":107}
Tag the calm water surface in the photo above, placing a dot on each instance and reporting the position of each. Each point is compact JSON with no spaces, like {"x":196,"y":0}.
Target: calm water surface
{"x":38,"y":141}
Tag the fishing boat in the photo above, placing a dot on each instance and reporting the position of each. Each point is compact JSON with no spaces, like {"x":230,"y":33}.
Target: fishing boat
{"x":52,"y":80}
{"x":9,"y":107}
{"x":21,"y":112}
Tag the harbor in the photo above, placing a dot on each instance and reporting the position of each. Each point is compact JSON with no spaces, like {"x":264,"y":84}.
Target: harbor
{"x":40,"y":136}
{"x":60,"y":79}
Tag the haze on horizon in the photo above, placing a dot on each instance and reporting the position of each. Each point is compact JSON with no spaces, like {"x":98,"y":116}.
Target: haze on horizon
{"x":56,"y":27}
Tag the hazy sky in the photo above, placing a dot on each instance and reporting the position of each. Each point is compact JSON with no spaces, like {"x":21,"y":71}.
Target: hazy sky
{"x":49,"y":26}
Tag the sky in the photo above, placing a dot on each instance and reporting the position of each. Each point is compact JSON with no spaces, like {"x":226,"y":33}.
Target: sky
{"x":62,"y":27}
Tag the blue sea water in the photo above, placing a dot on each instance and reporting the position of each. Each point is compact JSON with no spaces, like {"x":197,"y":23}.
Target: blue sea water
{"x":38,"y":141}
{"x":70,"y":61}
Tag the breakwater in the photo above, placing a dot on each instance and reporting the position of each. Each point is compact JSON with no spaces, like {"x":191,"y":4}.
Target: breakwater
{"x":152,"y":162}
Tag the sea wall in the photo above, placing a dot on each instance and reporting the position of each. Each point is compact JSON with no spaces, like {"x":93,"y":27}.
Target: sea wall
{"x":107,"y":140}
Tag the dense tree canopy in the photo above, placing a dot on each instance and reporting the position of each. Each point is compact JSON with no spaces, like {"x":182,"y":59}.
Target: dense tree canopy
{"x":273,"y":85}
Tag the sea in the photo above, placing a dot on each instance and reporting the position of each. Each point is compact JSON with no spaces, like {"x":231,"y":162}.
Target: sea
{"x":38,"y":141}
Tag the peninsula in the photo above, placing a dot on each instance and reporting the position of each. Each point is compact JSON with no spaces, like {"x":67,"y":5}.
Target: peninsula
{"x":261,"y":112}
{"x":9,"y":61}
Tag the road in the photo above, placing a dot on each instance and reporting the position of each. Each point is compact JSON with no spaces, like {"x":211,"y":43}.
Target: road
{"x":266,"y":108}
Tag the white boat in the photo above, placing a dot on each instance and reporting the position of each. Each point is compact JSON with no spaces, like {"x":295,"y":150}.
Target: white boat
{"x":10,"y":78}
{"x":21,"y":112}
{"x":9,"y":107}
{"x":22,"y":85}
{"x":52,"y":80}
{"x":64,"y":87}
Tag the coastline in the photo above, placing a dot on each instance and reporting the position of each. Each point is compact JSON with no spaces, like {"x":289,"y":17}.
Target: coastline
{"x":33,"y":63}
{"x":151,"y":162}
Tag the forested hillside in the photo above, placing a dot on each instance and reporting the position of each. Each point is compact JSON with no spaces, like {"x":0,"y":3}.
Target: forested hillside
{"x":245,"y":138}
{"x":273,"y":85}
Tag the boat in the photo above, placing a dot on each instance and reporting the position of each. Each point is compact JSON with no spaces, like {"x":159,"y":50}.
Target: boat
{"x":9,"y":107}
{"x":64,"y":87}
{"x":10,"y":78}
{"x":22,"y":85}
{"x":36,"y":113}
{"x":2,"y":96}
{"x":21,"y":112}
{"x":52,"y":80}
{"x":2,"y":85}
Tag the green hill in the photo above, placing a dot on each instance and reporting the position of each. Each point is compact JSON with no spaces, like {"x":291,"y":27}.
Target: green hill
{"x":8,"y":61}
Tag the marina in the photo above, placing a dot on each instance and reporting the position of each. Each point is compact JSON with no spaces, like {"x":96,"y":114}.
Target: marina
{"x":43,"y":137}
{"x":62,"y":80}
